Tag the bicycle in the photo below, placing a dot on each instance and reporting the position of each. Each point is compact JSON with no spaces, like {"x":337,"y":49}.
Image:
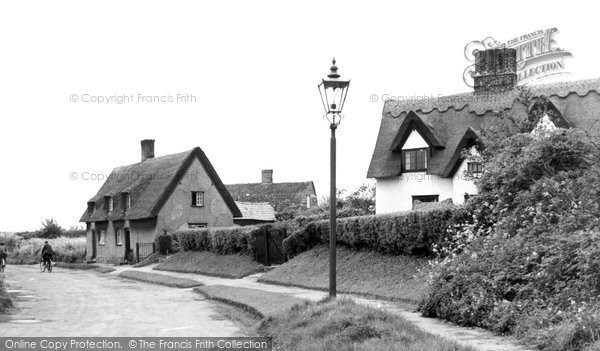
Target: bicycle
{"x":2,"y":265}
{"x":45,"y":265}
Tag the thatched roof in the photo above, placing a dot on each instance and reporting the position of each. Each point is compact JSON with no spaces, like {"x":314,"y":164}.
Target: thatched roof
{"x":150,"y":184}
{"x":282,"y":196}
{"x":450,"y":122}
{"x":259,"y":211}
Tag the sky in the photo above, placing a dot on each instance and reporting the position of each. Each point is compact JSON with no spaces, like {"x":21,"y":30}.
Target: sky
{"x":250,"y":71}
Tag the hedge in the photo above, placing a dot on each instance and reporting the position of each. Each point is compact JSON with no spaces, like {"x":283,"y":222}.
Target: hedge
{"x":410,"y":233}
{"x":227,"y":240}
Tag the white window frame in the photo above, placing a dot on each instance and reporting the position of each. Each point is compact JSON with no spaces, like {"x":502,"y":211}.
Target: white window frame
{"x":102,"y":240}
{"x":197,"y":225}
{"x":127,"y":201}
{"x":119,"y":237}
{"x":195,"y":195}
{"x":111,"y":206}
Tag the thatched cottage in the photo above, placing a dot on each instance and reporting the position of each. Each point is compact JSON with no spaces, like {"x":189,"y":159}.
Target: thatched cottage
{"x":419,"y":151}
{"x":139,"y":201}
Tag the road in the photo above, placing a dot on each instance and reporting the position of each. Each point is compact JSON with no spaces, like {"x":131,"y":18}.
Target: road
{"x":85,"y":303}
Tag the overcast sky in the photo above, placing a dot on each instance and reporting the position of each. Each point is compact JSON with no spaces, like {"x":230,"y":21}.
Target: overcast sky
{"x":253,"y":67}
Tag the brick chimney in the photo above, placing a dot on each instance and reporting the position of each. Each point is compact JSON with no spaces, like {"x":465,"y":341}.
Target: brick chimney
{"x":147,"y":149}
{"x":267,"y":176}
{"x":495,"y":70}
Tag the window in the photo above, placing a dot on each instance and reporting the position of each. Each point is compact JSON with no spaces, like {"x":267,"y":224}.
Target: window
{"x":126,"y":201}
{"x":119,"y":237}
{"x":196,"y":225}
{"x":102,"y":239}
{"x":425,"y":198}
{"x":198,"y":198}
{"x":91,"y":206}
{"x":108,"y":203}
{"x":474,"y":167}
{"x":307,"y":201}
{"x":414,"y":160}
{"x":468,"y":196}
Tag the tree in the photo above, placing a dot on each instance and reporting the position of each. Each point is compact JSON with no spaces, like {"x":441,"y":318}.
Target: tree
{"x":50,"y":229}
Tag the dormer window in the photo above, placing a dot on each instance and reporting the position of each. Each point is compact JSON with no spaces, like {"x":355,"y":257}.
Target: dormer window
{"x":108,"y":203}
{"x":126,"y":198}
{"x":415,"y":160}
{"x":91,"y":206}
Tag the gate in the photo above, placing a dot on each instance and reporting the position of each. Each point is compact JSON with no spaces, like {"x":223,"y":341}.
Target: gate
{"x":143,"y":250}
{"x":269,"y":246}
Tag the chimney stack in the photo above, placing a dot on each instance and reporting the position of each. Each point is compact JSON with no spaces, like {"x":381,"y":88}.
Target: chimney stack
{"x":495,"y":70}
{"x":267,"y":176}
{"x":147,"y":149}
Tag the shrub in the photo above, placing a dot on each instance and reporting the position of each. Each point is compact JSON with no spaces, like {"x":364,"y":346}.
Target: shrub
{"x":528,"y":263}
{"x":410,"y":233}
{"x":50,"y":229}
{"x":74,"y":233}
{"x":219,"y":240}
{"x":163,"y":243}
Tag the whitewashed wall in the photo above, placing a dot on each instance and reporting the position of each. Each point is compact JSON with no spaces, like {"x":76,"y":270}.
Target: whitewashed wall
{"x":395,"y":194}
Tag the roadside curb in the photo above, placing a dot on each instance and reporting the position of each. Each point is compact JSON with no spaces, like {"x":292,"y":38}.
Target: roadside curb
{"x":343,"y":292}
{"x":159,"y":279}
{"x":258,"y":302}
{"x":230,"y":302}
{"x":88,"y":267}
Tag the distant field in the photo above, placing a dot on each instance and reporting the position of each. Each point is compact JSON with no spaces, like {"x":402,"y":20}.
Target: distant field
{"x":209,"y":263}
{"x":67,"y":250}
{"x":360,"y":272}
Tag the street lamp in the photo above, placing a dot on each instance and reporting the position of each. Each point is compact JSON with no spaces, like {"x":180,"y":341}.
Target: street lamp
{"x":333,"y":92}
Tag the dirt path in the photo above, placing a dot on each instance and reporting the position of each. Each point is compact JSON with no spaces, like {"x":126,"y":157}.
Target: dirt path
{"x":81,"y":303}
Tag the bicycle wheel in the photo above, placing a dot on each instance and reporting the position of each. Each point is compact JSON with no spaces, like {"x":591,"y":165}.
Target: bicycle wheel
{"x":49,"y":267}
{"x":42,"y":267}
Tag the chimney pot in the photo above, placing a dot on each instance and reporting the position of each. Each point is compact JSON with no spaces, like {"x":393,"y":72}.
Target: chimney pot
{"x":147,"y":149}
{"x":495,"y":70}
{"x":267,"y":176}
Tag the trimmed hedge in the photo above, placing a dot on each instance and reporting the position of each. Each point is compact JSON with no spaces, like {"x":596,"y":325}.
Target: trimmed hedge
{"x":411,"y":233}
{"x":223,"y":241}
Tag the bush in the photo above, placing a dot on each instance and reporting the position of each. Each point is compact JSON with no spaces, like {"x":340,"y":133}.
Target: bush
{"x":163,"y":243}
{"x":410,"y":233}
{"x":50,"y":230}
{"x":219,"y":240}
{"x":528,"y":263}
{"x":74,"y":233}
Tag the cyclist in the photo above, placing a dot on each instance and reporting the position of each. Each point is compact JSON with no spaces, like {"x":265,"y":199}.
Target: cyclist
{"x":2,"y":259}
{"x":47,"y":253}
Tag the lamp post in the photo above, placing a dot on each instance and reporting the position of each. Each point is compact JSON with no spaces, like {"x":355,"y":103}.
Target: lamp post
{"x":333,"y":92}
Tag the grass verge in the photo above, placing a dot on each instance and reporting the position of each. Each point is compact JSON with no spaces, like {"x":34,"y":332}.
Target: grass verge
{"x":153,"y":258}
{"x":358,"y":272}
{"x":342,"y":324}
{"x":159,"y":279}
{"x":21,"y":258}
{"x":209,"y":263}
{"x":5,"y":301}
{"x":84,"y":266}
{"x":258,"y":302}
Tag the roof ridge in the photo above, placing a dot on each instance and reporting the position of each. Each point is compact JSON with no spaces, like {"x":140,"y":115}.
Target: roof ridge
{"x":480,"y":103}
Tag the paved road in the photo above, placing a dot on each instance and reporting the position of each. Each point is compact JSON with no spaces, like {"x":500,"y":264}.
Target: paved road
{"x":83,"y":303}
